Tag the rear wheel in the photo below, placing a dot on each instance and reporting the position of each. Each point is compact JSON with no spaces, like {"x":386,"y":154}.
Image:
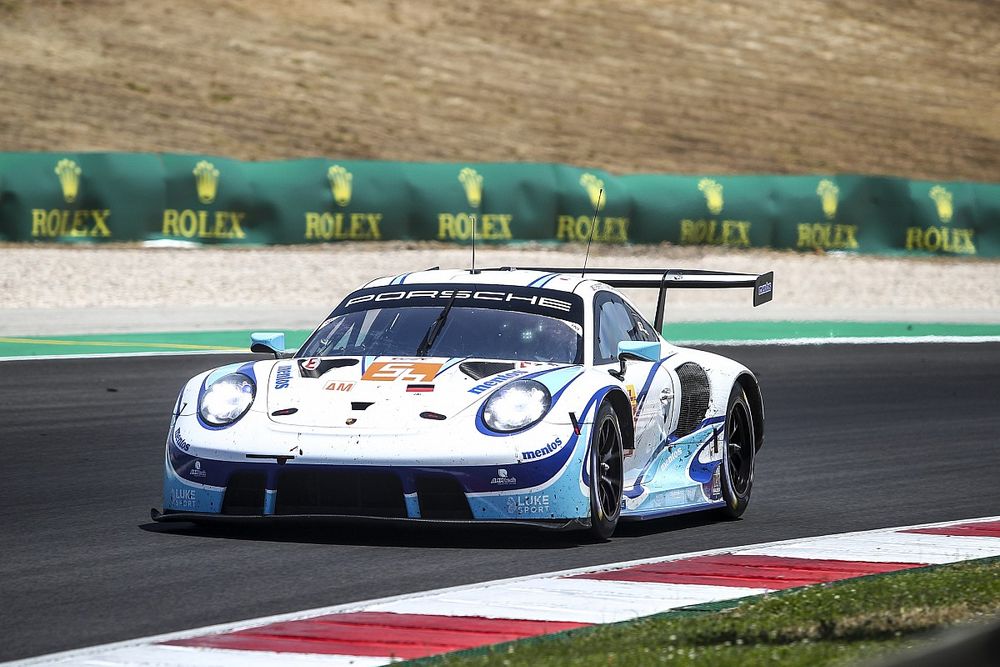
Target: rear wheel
{"x":605,"y":467}
{"x":739,"y":454}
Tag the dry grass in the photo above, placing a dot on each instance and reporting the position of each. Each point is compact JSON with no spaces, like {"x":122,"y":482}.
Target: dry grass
{"x":701,"y":86}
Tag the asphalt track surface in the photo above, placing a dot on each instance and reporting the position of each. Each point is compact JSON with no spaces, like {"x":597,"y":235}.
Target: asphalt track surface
{"x":858,"y":437}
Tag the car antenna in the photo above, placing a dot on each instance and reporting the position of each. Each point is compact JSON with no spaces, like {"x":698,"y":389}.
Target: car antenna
{"x":593,"y":226}
{"x":473,"y":271}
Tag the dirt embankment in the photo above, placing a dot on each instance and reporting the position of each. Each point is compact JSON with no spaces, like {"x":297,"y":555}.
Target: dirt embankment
{"x":701,"y":86}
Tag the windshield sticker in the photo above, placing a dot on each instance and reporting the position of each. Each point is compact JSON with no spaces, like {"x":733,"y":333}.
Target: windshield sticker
{"x":402,"y":371}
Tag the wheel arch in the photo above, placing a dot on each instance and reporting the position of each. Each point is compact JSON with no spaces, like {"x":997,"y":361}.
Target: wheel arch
{"x":622,"y":406}
{"x":752,"y":390}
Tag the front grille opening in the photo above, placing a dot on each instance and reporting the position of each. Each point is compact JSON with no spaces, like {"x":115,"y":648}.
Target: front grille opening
{"x":340,"y":492}
{"x":244,"y":494}
{"x":442,"y":497}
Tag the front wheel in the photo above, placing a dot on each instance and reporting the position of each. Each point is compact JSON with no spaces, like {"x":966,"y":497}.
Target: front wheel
{"x":739,"y":454}
{"x":605,"y":467}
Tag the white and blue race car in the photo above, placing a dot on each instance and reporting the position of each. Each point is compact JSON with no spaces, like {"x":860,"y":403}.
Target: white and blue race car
{"x":536,"y":396}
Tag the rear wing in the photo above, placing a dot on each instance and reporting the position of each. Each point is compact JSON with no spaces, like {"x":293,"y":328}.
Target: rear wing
{"x":664,"y":279}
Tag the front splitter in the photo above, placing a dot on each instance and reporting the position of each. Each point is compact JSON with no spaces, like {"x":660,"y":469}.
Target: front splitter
{"x":204,"y":517}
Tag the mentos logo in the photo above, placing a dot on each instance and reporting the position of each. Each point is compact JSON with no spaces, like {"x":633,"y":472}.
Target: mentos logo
{"x":283,"y":377}
{"x":495,"y":380}
{"x":544,"y":451}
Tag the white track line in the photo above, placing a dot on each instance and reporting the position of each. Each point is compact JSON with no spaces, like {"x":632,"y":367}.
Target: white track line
{"x":919,"y":548}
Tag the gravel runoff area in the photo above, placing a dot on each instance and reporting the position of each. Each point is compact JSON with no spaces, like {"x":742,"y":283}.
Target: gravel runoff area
{"x":47,"y":290}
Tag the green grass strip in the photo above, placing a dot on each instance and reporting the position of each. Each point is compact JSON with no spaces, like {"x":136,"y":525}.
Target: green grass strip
{"x":819,"y":625}
{"x":722,"y":331}
{"x":198,"y":341}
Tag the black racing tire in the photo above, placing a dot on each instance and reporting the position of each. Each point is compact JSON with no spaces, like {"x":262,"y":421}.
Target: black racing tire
{"x":739,"y":454}
{"x":606,"y":473}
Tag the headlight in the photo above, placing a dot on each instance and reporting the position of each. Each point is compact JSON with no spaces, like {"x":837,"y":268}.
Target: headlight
{"x":227,"y":399}
{"x":516,"y":406}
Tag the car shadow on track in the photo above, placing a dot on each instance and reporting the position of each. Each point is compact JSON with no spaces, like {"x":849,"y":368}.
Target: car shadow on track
{"x":427,"y":536}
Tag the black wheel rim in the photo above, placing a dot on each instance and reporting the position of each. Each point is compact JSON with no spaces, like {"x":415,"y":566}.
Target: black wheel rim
{"x":739,"y":447}
{"x":608,"y":473}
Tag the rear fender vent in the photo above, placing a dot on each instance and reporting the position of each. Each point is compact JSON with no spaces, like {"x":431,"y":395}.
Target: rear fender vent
{"x":442,"y":498}
{"x":477,"y":370}
{"x":694,"y":398}
{"x":244,"y":494}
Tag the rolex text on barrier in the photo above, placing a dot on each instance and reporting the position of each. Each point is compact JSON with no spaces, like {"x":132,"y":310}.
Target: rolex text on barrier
{"x":93,"y":197}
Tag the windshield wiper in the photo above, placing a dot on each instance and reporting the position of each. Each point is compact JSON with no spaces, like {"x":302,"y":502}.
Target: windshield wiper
{"x":435,"y":328}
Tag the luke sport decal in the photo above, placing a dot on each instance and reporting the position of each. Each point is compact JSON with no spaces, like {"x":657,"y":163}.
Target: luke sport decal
{"x":405,"y":371}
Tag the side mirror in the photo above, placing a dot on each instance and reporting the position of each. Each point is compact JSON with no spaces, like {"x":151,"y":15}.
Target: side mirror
{"x":634,"y":349}
{"x":638,"y":349}
{"x":268,"y":343}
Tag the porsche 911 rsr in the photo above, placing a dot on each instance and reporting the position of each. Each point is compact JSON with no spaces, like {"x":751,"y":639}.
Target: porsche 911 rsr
{"x":498,"y":395}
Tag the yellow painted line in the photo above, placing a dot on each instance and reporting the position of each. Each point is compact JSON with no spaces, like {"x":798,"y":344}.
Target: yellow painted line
{"x":111,"y":343}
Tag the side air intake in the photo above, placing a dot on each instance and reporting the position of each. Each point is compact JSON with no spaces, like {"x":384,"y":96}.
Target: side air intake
{"x":694,"y":397}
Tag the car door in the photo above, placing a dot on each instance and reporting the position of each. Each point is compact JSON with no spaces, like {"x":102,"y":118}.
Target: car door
{"x":648,"y":384}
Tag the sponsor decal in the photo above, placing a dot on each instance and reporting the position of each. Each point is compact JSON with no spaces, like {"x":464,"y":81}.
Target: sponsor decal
{"x":942,"y":202}
{"x":180,"y":442}
{"x":827,"y":235}
{"x":713,"y":195}
{"x":586,"y":227}
{"x":828,"y":192}
{"x":715,"y":232}
{"x":405,"y":371}
{"x":633,"y":398}
{"x":472,"y":183}
{"x":283,"y":377}
{"x":764,"y":289}
{"x":495,"y":380}
{"x":502,"y":479}
{"x":535,"y":503}
{"x":206,"y":181}
{"x":955,"y":240}
{"x":477,"y":295}
{"x":419,"y":388}
{"x":196,"y":471}
{"x":340,"y":225}
{"x":340,"y":386}
{"x":340,"y":184}
{"x":543,"y":451}
{"x":203,"y":224}
{"x":310,"y":364}
{"x":51,"y":223}
{"x":183,"y":498}
{"x":461,"y":225}
{"x":69,"y":178}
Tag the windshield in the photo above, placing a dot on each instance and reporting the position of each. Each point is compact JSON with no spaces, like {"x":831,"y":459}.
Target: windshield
{"x":509,"y":324}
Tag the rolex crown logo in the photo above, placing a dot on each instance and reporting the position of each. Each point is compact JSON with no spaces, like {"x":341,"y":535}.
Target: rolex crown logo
{"x":594,"y":186}
{"x":473,"y":184}
{"x":69,"y":178}
{"x":206,"y":180}
{"x":713,"y":194}
{"x":828,"y":192}
{"x":942,"y":199}
{"x":340,"y":184}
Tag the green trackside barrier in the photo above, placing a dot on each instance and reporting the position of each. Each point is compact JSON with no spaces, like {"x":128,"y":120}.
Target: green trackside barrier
{"x":89,"y":197}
